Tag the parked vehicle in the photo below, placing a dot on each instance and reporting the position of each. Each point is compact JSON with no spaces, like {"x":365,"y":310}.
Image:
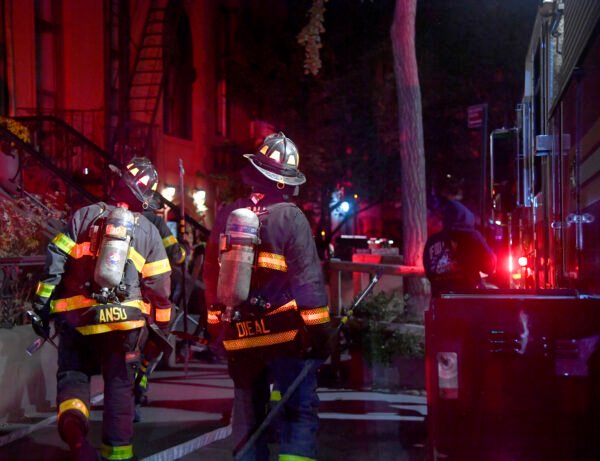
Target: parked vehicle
{"x":513,"y":373}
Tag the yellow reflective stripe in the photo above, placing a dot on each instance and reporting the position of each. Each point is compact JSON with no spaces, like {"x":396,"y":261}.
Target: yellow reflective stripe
{"x":73,"y":249}
{"x":315,"y":316}
{"x":137,"y":259}
{"x":163,"y":315}
{"x":286,"y":307}
{"x":156,"y":268}
{"x":63,"y":242}
{"x":182,"y":257}
{"x":169,"y":241}
{"x":259,"y":341}
{"x":73,"y":404}
{"x":116,"y":453}
{"x":294,"y":458}
{"x":69,"y":304}
{"x":44,"y":290}
{"x":106,"y":327}
{"x":213,"y":317}
{"x":80,"y":250}
{"x":275,"y":395}
{"x":80,"y":301}
{"x":272,"y":261}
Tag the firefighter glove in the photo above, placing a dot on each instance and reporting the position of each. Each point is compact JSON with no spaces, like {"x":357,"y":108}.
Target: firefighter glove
{"x":320,"y":340}
{"x":40,"y":321}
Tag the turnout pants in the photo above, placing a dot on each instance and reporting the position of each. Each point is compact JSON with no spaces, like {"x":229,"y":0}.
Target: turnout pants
{"x":296,"y":425}
{"x":115,"y":355}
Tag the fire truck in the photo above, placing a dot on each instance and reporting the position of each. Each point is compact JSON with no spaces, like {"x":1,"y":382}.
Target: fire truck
{"x":514,"y":373}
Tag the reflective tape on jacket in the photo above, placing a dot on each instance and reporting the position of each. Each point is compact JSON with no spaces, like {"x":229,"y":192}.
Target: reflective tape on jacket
{"x":259,"y":341}
{"x":182,"y":257}
{"x":156,"y":268}
{"x":291,"y":305}
{"x":73,"y":249}
{"x":163,"y":315}
{"x":169,"y":241}
{"x":315,"y":316}
{"x":106,"y":327}
{"x":78,"y":302}
{"x":148,"y":269}
{"x":272,"y":261}
{"x":73,"y":404}
{"x":213,"y":317}
{"x":44,"y":290}
{"x":137,"y":259}
{"x":283,"y":457}
{"x":116,"y":453}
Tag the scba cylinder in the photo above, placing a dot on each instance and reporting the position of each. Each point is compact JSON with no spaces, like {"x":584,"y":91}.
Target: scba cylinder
{"x":237,"y":246}
{"x":114,"y":248}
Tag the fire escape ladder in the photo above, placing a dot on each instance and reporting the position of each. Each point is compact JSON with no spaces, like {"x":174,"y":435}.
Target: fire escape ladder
{"x":148,"y":75}
{"x":117,"y":61}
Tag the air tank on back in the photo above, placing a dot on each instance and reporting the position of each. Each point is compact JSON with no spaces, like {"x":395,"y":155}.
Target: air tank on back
{"x":114,"y":247}
{"x":237,"y":246}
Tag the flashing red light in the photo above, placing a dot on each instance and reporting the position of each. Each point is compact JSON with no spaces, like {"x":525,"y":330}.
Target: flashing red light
{"x":522,"y":261}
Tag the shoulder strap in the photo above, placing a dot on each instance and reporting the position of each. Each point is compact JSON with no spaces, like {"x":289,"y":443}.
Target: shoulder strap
{"x":95,"y":230}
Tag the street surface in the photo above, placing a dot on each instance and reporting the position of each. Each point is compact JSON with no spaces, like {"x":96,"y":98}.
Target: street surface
{"x":187,"y":418}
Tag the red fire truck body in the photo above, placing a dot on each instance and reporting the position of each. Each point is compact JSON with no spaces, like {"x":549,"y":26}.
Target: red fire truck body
{"x":514,"y":373}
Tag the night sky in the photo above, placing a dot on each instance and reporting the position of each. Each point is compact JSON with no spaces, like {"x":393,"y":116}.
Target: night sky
{"x":344,"y":118}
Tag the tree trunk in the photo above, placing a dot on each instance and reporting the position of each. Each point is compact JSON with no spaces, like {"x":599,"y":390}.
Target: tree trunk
{"x":412,"y":152}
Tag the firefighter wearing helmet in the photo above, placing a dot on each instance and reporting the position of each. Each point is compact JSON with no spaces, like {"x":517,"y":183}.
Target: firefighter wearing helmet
{"x":268,"y":301}
{"x":104,"y":272}
{"x":134,"y":183}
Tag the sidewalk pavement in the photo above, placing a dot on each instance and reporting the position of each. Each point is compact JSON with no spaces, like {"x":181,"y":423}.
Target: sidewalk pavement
{"x":188,"y":409}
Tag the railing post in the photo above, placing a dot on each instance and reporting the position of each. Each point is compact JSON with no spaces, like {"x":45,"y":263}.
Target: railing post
{"x":335,"y":291}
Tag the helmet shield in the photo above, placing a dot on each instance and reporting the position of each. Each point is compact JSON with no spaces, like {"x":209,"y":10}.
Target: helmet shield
{"x":277,"y":158}
{"x":141,"y":178}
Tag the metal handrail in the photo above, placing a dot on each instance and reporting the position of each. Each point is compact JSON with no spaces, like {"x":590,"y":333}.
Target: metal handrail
{"x":36,"y":260}
{"x":66,"y":176}
{"x":337,"y":266}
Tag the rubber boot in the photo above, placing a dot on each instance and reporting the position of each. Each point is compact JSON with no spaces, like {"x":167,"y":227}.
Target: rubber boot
{"x":73,"y":430}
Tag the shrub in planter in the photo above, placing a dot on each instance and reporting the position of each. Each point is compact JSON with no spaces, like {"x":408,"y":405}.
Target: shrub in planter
{"x":378,"y":340}
{"x":26,"y":226}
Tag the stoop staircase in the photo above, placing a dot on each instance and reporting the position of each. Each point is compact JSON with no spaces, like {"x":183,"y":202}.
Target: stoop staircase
{"x":62,"y":166}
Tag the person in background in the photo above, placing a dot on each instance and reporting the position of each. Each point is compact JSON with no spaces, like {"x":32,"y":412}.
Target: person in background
{"x":151,"y":355}
{"x":100,"y":319}
{"x":285,"y":321}
{"x":455,"y":256}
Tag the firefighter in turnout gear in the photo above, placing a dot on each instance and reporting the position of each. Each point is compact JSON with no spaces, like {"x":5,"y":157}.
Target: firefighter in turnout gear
{"x":284,"y":321}
{"x":151,"y":354}
{"x":99,"y":314}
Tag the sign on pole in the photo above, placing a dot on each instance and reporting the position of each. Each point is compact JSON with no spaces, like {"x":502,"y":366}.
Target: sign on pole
{"x":475,"y":116}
